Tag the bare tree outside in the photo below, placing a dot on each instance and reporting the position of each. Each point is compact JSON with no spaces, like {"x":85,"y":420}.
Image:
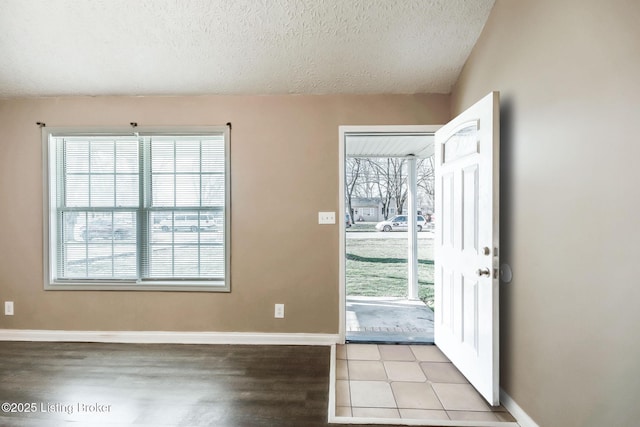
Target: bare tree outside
{"x":386,"y":180}
{"x":426,"y":181}
{"x":368,"y":180}
{"x":383,"y":183}
{"x":399,"y":180}
{"x":351,"y":182}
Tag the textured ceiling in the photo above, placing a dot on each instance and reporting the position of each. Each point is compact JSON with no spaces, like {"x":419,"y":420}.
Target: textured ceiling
{"x":181,"y":47}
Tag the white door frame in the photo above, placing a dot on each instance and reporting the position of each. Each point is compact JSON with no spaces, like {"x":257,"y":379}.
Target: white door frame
{"x":343,"y":130}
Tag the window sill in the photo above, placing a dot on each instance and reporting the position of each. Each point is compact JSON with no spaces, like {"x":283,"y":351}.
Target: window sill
{"x":182,"y":286}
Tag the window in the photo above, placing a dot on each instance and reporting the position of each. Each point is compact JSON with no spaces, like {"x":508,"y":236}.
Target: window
{"x":143,"y":211}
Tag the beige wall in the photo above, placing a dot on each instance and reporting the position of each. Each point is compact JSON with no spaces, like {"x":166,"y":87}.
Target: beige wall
{"x":284,"y":170}
{"x":569,"y":76}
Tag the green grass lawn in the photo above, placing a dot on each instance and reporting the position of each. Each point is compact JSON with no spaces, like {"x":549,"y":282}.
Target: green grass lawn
{"x":362,"y":226}
{"x":378,"y":267}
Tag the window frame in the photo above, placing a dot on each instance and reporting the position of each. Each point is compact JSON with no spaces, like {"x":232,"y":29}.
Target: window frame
{"x":50,"y":175}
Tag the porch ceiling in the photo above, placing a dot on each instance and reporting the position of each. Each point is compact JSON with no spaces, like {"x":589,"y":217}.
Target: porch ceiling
{"x":389,"y":145}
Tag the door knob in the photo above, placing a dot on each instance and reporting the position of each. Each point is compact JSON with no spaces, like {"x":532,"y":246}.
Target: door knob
{"x":486,"y":251}
{"x":484,"y":272}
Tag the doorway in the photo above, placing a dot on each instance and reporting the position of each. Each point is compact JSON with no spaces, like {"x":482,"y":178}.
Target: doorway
{"x":466,"y":244}
{"x":386,"y":239}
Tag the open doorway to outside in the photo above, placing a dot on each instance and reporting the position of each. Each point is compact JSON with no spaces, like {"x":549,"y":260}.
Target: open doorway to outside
{"x":387,"y":243}
{"x":466,"y":243}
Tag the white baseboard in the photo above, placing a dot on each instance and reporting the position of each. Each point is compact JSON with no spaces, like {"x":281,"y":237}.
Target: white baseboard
{"x":162,"y":337}
{"x":518,"y":413}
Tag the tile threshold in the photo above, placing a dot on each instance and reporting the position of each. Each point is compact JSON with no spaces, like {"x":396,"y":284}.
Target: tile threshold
{"x":419,"y":422}
{"x":334,"y":419}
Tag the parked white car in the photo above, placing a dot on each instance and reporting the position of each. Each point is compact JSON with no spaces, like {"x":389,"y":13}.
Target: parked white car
{"x":188,"y":222}
{"x":400,"y":223}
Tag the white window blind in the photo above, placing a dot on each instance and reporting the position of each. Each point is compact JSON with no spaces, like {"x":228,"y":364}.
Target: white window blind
{"x":138,"y":211}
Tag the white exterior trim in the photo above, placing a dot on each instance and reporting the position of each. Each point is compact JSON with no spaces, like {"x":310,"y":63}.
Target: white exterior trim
{"x":412,"y":231}
{"x":343,"y":130}
{"x":168,"y":337}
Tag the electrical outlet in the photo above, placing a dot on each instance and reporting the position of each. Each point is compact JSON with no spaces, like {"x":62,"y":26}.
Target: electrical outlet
{"x":8,"y":308}
{"x":326,"y":217}
{"x":279,"y":313}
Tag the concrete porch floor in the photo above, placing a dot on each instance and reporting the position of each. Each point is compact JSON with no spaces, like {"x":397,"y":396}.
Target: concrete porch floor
{"x":388,"y":320}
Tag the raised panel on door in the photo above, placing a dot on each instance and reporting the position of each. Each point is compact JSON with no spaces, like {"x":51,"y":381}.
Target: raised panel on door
{"x":470,"y":208}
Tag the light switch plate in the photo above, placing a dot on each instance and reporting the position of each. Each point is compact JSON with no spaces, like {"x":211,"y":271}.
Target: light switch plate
{"x":326,"y":217}
{"x":279,"y":311}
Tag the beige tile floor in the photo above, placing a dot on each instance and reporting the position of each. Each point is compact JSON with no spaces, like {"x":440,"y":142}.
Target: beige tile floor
{"x":406,"y":381}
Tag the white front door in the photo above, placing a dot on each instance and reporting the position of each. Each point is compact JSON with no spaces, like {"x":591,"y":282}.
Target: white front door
{"x":466,"y":244}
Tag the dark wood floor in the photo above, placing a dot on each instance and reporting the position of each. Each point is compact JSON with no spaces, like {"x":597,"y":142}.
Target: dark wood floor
{"x":89,"y":384}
